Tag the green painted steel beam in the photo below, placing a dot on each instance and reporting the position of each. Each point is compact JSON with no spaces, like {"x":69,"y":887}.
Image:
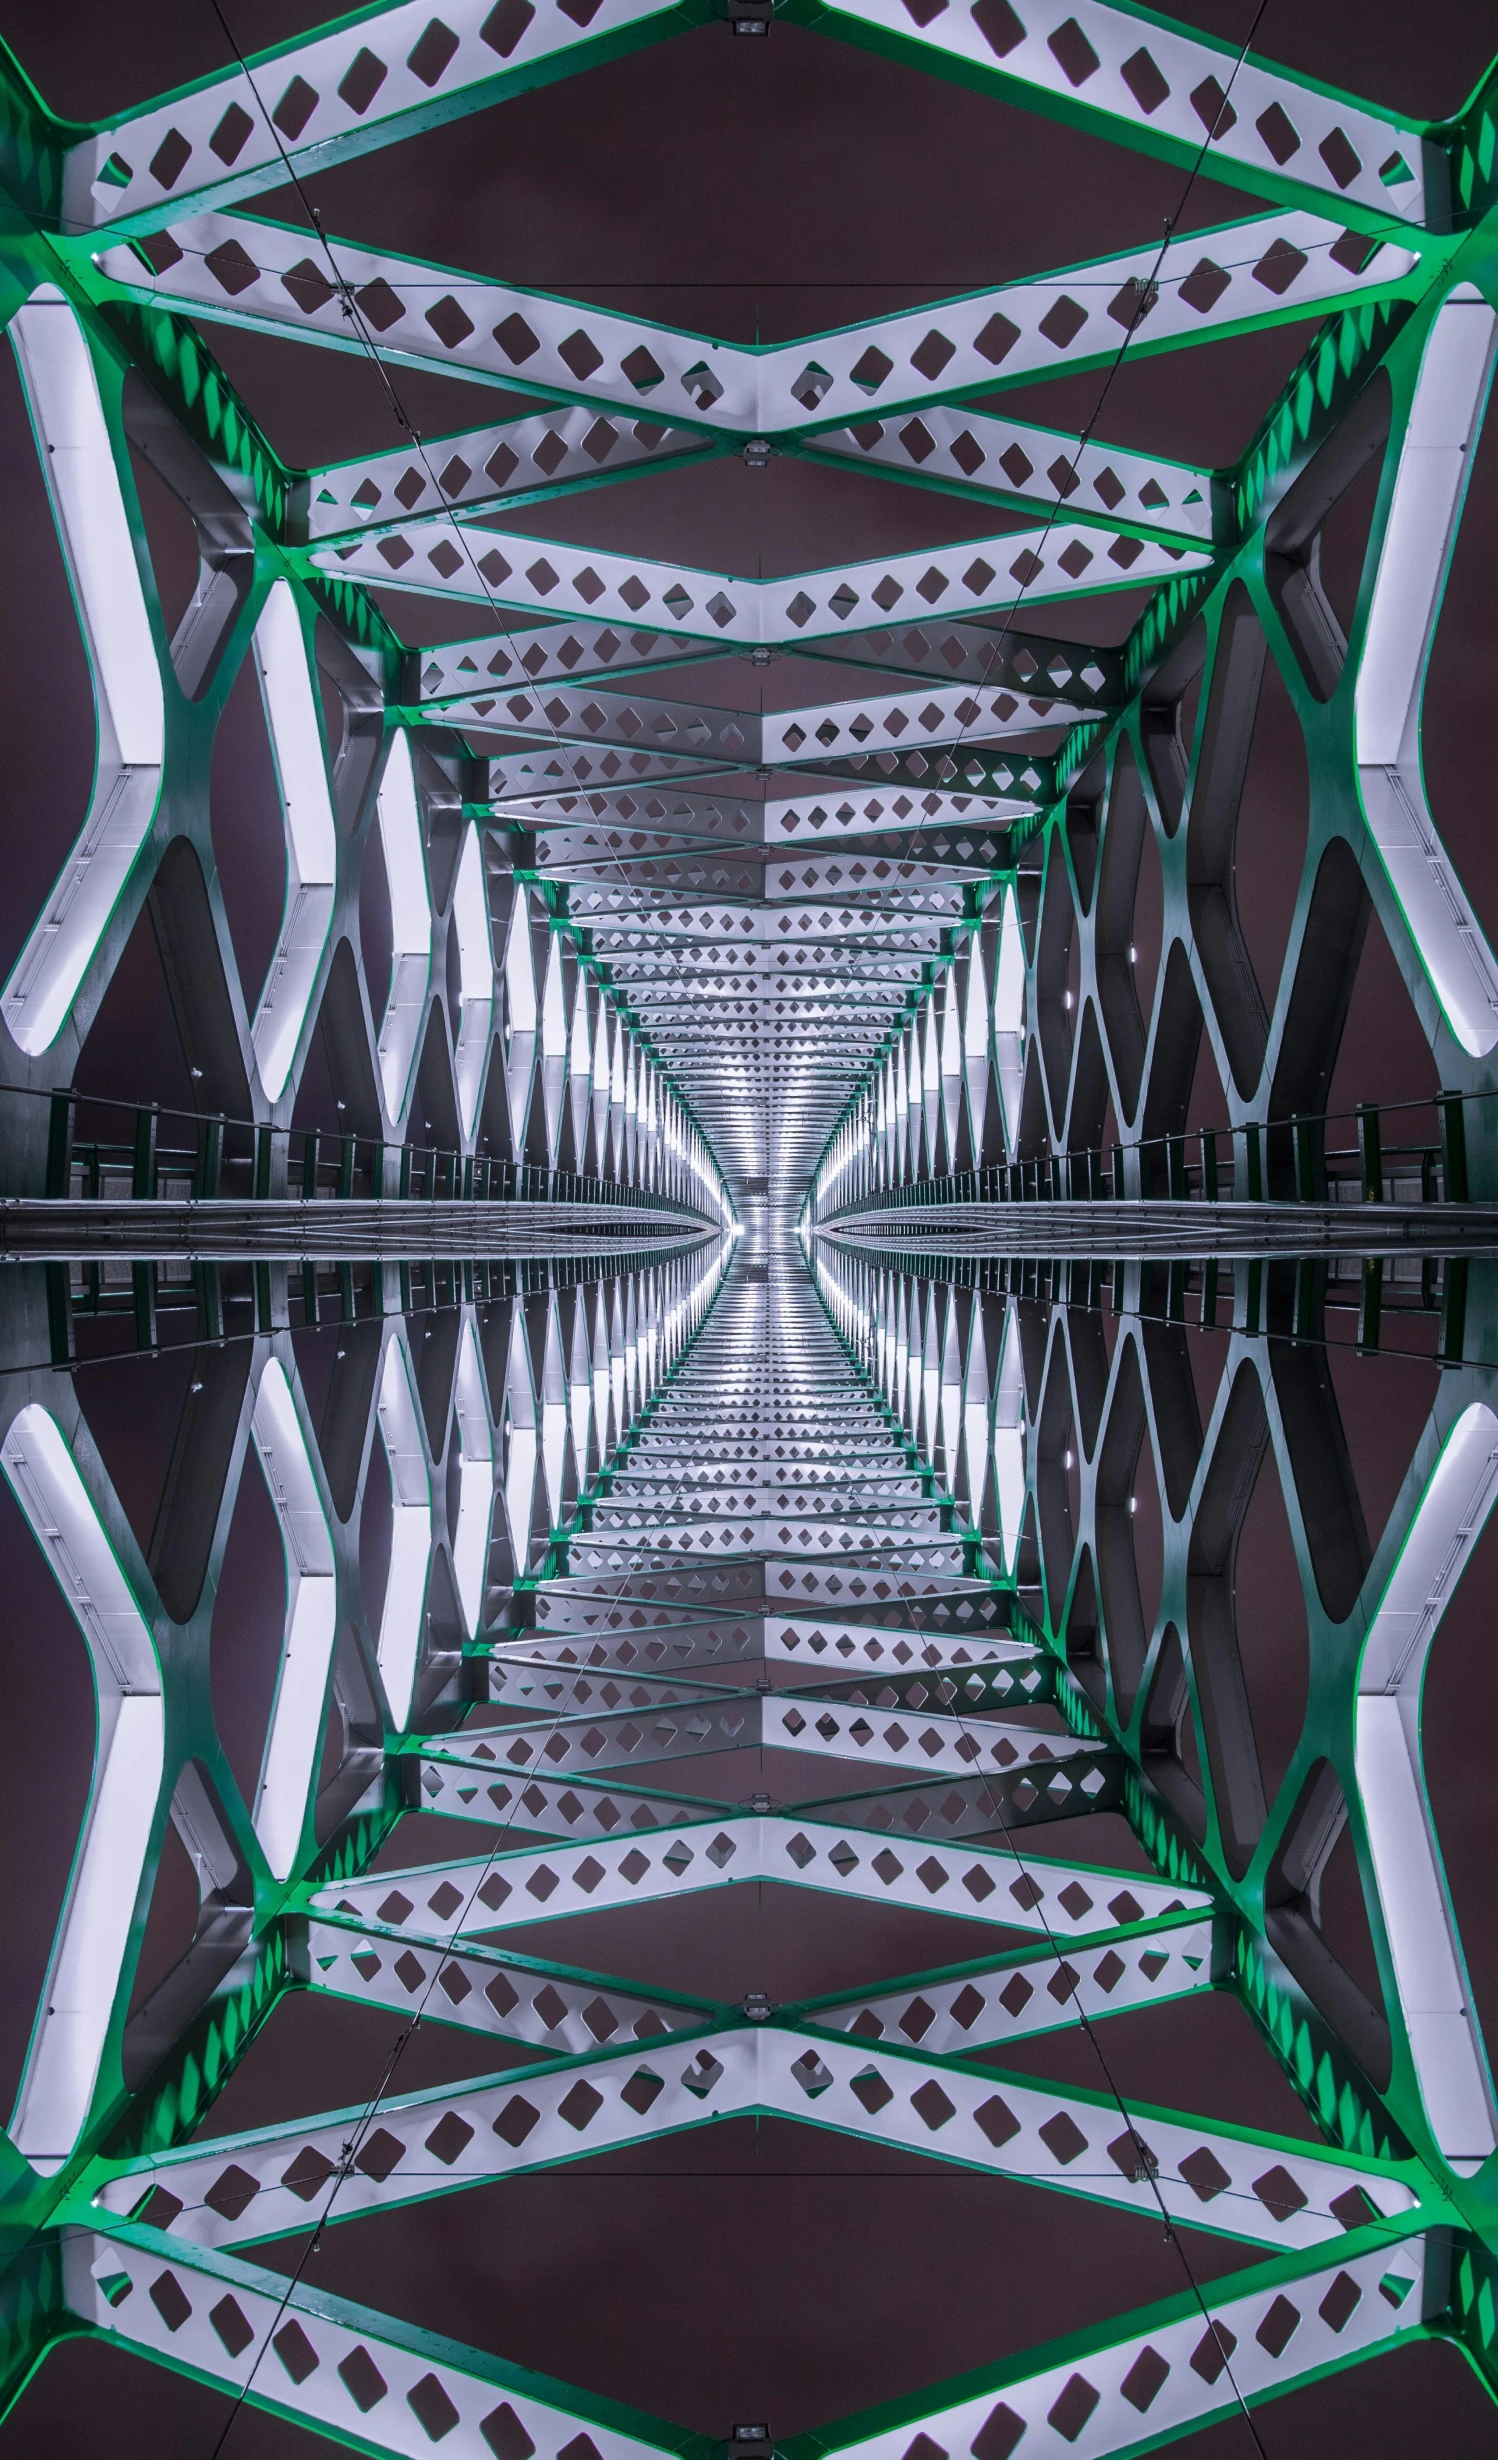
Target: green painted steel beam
{"x":359,"y":83}
{"x":338,"y":294}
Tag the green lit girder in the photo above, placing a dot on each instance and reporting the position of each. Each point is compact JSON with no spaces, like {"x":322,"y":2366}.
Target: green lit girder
{"x":565,"y":451}
{"x":937,"y":650}
{"x":1276,"y":2193}
{"x":896,"y":739}
{"x":621,"y":820}
{"x":536,"y":577}
{"x":333,"y":2366}
{"x":1237,"y":277}
{"x":382,"y":74}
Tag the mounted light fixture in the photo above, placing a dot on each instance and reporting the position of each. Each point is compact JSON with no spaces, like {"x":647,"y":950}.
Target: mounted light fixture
{"x":751,"y":2443}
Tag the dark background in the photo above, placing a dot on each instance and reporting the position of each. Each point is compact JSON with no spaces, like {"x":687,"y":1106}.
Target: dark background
{"x":775,"y":188}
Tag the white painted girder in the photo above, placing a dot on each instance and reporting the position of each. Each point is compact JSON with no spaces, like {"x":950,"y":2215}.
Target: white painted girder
{"x":1233,"y":2181}
{"x":242,"y":270}
{"x":467,"y":564}
{"x":376,"y":75}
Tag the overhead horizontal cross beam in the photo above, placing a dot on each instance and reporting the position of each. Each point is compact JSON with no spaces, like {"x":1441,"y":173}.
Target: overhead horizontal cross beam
{"x":477,"y":566}
{"x":568,"y":451}
{"x":1007,"y":658}
{"x":380,"y":75}
{"x":343,"y":296}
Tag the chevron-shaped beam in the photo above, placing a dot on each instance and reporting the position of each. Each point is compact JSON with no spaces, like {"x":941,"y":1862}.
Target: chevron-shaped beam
{"x":1000,"y":660}
{"x":1232,"y":279}
{"x":383,"y":74}
{"x":569,"y":450}
{"x":782,"y":823}
{"x":1164,"y":2370}
{"x":445,"y":559}
{"x":705,"y":1849}
{"x":1242,"y":2183}
{"x":880,"y":737}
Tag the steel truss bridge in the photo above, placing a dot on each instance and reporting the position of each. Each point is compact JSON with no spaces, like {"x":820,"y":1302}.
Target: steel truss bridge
{"x":763,"y":1220}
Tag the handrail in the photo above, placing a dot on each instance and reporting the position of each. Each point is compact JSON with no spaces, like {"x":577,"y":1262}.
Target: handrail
{"x":1260,"y":1161}
{"x":205,"y":1156}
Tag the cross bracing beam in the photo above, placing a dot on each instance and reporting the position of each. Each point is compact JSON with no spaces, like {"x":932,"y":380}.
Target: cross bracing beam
{"x":846,"y":872}
{"x":725,"y":976}
{"x":550,"y":782}
{"x":625,"y":923}
{"x":336,"y":2364}
{"x":746,"y":1723}
{"x":866,"y":863}
{"x":757,"y":931}
{"x":1242,"y":2183}
{"x":515,"y":1998}
{"x":529,"y":774}
{"x":345,"y":2371}
{"x":972,"y":453}
{"x":961,"y":2007}
{"x":1235,"y":278}
{"x":707,"y":1848}
{"x":887,"y":1648}
{"x":371,"y":78}
{"x":998,"y":659}
{"x":805,"y":819}
{"x":579,"y":1806}
{"x":759,"y":1038}
{"x":876,"y":726}
{"x":854,"y":868}
{"x":527,"y":1680}
{"x":1138,"y":79}
{"x":1018,"y":1680}
{"x":564,"y":452}
{"x":866,"y":736}
{"x":331,"y":97}
{"x":1004,"y":657}
{"x":545,"y":653}
{"x":889,"y":1552}
{"x":1171,"y":2369}
{"x":1032,"y":1990}
{"x":591,"y":1806}
{"x":476,"y":565}
{"x":728,"y":945}
{"x":527,"y":460}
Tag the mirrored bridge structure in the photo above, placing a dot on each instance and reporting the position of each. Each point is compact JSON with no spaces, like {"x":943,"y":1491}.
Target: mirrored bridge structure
{"x":781,"y":1345}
